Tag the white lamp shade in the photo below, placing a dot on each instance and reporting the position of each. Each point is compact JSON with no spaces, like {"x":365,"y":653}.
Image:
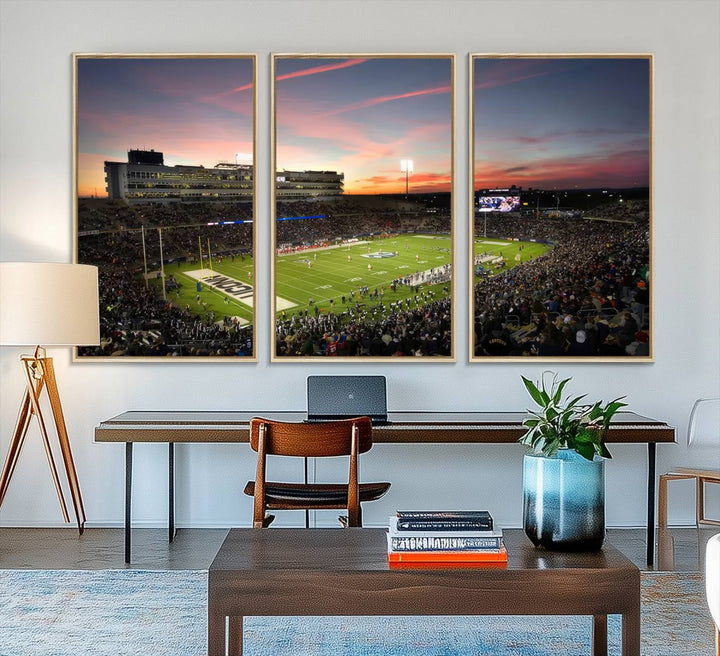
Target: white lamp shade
{"x":48,"y":304}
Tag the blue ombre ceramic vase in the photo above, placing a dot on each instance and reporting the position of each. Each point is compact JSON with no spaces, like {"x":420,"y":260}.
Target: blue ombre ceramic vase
{"x":564,"y":501}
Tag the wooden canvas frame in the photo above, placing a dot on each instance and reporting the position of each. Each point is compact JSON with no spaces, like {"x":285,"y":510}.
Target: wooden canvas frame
{"x":174,"y":107}
{"x":520,"y":124}
{"x":376,"y":95}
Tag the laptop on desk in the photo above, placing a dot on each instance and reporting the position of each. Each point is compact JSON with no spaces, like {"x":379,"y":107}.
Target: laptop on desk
{"x":330,"y":398}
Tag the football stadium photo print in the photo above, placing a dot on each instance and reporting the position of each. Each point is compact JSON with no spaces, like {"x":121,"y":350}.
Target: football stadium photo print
{"x":561,"y":207}
{"x":363,"y":207}
{"x":165,"y":198}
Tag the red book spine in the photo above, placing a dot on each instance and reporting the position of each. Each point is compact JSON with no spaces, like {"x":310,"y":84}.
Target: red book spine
{"x":485,"y":556}
{"x":447,"y":565}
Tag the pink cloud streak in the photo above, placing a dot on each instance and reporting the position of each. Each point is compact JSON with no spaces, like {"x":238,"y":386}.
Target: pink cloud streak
{"x":508,"y":72}
{"x":504,"y":82}
{"x":383,"y":99}
{"x":308,"y":71}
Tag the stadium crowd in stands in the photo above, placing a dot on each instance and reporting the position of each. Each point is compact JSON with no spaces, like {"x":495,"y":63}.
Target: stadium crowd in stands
{"x":136,"y":321}
{"x":421,"y":331}
{"x":588,"y":296}
{"x":346,"y":218}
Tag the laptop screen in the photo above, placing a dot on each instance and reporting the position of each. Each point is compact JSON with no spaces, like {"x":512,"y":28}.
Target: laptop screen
{"x":340,"y":397}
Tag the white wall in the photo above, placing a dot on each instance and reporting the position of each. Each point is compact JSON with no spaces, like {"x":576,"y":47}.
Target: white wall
{"x":37,"y":40}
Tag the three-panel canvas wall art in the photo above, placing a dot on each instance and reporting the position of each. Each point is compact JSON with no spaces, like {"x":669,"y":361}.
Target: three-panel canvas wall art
{"x":165,"y":203}
{"x":363,"y":185}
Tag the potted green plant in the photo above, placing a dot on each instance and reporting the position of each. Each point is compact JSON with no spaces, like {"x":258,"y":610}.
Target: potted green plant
{"x":564,"y":467}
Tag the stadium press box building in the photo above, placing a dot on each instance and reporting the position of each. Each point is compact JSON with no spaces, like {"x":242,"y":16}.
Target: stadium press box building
{"x":145,"y":178}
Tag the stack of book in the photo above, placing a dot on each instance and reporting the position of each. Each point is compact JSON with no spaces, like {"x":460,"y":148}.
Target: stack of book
{"x":445,"y":538}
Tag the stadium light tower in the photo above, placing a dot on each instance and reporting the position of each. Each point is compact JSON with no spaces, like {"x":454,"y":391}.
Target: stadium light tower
{"x":406,"y":166}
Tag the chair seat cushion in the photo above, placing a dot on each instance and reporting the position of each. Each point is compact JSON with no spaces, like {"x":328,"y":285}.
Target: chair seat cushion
{"x":292,"y":495}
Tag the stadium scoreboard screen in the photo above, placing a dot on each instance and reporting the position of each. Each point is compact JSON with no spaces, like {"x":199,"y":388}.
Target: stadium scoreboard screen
{"x":497,"y":200}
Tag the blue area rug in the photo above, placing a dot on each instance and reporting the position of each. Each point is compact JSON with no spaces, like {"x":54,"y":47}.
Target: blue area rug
{"x":131,"y":612}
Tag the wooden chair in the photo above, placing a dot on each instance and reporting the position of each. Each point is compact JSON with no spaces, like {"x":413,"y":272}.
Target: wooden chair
{"x":349,"y":437}
{"x":701,"y":477}
{"x":703,"y":429}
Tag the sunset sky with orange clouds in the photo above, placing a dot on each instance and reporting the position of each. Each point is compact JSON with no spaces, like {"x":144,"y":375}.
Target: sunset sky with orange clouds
{"x":561,"y":123}
{"x":358,"y":116}
{"x":361,"y":116}
{"x":541,"y":122}
{"x":197,"y":111}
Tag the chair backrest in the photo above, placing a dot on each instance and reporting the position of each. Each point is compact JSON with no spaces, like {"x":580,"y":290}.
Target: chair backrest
{"x":704,"y":423}
{"x":311,"y":440}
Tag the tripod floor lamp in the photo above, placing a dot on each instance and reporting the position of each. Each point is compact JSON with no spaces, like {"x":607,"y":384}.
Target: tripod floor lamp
{"x":46,"y":304}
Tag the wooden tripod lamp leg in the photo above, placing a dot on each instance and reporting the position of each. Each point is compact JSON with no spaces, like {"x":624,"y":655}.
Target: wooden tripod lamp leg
{"x":15,"y":444}
{"x":39,"y":374}
{"x":30,"y":406}
{"x":34,"y":373}
{"x":64,"y":440}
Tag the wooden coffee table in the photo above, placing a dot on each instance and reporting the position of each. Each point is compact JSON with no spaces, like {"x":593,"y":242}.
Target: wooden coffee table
{"x":275,"y":572}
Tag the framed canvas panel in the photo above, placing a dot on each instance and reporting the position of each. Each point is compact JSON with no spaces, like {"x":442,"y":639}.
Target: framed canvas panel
{"x":164,"y":160}
{"x":561,"y":212}
{"x":362,"y":207}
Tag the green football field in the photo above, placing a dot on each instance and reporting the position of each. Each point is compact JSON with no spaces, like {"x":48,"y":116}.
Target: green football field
{"x":214,"y":299}
{"x":325,"y":275}
{"x":512,"y":252}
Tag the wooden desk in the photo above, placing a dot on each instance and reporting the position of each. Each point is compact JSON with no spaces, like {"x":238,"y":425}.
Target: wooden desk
{"x":277,"y":572}
{"x":206,"y":426}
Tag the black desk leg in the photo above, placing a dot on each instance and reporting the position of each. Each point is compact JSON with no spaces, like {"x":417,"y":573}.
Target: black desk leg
{"x":307,"y":512}
{"x":171,"y":491}
{"x":651,"y":505}
{"x":128,"y":497}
